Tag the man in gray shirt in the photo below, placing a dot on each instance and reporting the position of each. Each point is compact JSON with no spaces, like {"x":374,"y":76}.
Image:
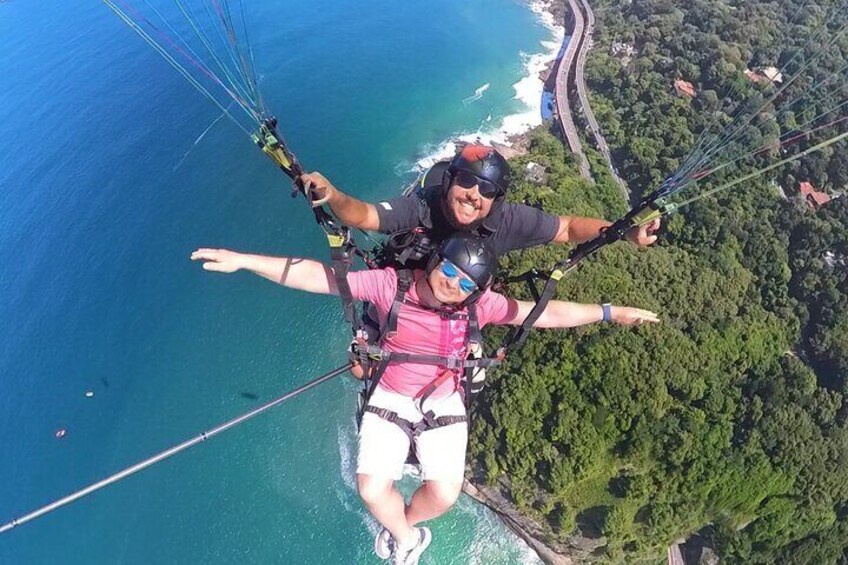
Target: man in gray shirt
{"x":466,"y":194}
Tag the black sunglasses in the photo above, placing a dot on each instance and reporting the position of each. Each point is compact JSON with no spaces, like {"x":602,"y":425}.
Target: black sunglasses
{"x":466,"y":180}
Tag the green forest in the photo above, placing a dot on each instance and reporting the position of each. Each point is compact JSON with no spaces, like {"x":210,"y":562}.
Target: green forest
{"x":725,"y":422}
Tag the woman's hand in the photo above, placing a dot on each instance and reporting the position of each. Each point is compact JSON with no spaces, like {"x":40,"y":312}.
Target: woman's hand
{"x":626,"y":316}
{"x":218,"y":260}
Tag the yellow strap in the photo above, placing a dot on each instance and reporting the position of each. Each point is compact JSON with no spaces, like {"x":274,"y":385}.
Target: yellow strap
{"x":646,"y":216}
{"x":277,"y":155}
{"x":335,"y":240}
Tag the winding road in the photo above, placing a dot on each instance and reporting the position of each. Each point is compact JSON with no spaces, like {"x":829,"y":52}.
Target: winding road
{"x":580,"y":83}
{"x":566,"y":120}
{"x":571,"y":70}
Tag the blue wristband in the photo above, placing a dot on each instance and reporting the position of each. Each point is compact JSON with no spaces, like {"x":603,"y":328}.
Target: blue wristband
{"x":607,"y":312}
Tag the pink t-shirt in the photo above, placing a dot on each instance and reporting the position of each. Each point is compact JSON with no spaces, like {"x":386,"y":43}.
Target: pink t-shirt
{"x":421,"y":331}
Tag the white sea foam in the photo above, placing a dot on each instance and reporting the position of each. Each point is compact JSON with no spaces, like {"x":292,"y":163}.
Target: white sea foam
{"x":492,"y":540}
{"x":348,"y":496}
{"x":528,"y":90}
{"x":346,"y":457}
{"x":478,"y":94}
{"x":540,"y":8}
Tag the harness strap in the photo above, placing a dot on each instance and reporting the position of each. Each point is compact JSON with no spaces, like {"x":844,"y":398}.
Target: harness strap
{"x":340,"y":254}
{"x":414,"y":429}
{"x":376,"y":353}
{"x":404,"y":283}
{"x":431,"y":387}
{"x":520,"y":335}
{"x":395,"y":357}
{"x":474,"y":335}
{"x":475,"y":339}
{"x":371,"y":384}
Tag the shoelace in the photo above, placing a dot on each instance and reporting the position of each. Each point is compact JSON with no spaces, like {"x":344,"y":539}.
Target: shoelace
{"x":395,"y":547}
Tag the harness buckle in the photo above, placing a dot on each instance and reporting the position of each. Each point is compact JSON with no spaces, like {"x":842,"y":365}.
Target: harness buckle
{"x":374,"y":353}
{"x":418,"y":427}
{"x":427,"y":422}
{"x":453,"y":362}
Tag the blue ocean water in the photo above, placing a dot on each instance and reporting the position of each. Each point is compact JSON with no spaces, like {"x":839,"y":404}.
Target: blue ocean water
{"x":98,"y":215}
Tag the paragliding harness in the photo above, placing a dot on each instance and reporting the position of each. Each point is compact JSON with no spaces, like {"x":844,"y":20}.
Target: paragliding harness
{"x":375,"y":360}
{"x":409,"y":249}
{"x":406,"y":250}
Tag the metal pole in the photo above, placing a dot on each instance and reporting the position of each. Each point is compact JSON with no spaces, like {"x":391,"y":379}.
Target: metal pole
{"x":203,"y":436}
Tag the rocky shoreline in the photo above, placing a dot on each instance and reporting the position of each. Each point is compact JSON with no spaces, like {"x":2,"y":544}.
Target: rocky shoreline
{"x":520,"y":525}
{"x":572,"y":550}
{"x":557,"y":10}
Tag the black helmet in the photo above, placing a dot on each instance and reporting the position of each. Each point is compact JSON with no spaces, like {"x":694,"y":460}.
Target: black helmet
{"x":473,"y":256}
{"x":484,"y":163}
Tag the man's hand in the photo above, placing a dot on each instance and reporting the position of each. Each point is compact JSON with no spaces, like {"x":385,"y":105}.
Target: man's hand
{"x":626,"y":316}
{"x":643,"y":235}
{"x":317,"y":185}
{"x":218,"y":260}
{"x":350,"y":211}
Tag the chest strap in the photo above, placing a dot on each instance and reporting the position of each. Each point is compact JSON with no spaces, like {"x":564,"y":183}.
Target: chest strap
{"x":452,"y":365}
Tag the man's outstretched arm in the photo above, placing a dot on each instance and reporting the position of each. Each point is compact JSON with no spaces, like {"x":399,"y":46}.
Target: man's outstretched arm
{"x":300,"y":274}
{"x":351,"y":211}
{"x":561,"y":314}
{"x":577,"y":229}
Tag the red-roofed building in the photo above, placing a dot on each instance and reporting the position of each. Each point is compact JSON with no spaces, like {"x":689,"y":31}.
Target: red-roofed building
{"x":813,"y":197}
{"x":685,"y":88}
{"x":756,"y":77}
{"x":766,"y":75}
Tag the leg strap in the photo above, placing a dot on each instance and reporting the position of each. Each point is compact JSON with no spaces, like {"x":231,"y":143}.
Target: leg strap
{"x":413,"y":430}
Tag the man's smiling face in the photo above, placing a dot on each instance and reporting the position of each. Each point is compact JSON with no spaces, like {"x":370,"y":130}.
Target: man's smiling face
{"x":466,"y":206}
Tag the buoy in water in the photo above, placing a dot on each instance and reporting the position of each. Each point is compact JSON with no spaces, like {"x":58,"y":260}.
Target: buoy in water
{"x":89,"y":394}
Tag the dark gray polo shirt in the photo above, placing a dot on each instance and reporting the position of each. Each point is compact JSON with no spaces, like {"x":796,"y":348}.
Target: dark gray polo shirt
{"x":508,"y":227}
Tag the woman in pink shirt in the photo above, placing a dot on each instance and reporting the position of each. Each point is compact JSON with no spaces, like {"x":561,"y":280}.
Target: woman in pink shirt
{"x":432,"y":322}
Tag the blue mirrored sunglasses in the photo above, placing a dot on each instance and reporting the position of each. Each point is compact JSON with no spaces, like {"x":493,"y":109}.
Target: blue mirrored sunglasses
{"x":451,"y":271}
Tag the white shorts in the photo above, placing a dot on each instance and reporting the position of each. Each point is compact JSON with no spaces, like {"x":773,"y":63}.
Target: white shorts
{"x":383,"y":446}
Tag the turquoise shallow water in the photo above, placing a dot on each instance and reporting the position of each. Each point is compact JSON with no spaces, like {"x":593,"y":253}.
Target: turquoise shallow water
{"x":97,"y":293}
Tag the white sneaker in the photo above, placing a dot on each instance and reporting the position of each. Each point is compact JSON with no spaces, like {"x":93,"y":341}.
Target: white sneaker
{"x":384,"y":544}
{"x":411,"y":555}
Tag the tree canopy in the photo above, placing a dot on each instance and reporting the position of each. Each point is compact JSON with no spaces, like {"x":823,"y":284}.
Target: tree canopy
{"x":728,"y":418}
